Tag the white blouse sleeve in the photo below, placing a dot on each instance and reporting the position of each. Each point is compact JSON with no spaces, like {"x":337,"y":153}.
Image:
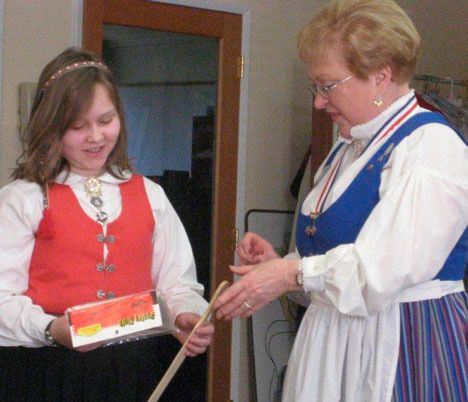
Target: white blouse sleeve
{"x":422,"y":213}
{"x":173,"y":269}
{"x":21,"y":322}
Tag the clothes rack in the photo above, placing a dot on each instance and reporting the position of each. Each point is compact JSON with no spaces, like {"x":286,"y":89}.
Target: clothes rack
{"x":439,"y":80}
{"x":447,"y":95}
{"x":452,"y":89}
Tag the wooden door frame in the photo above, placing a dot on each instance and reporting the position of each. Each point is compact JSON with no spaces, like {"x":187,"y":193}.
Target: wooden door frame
{"x":228,"y":29}
{"x":321,"y":139}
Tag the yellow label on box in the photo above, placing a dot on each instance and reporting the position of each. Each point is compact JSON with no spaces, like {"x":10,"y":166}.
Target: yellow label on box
{"x":90,"y":330}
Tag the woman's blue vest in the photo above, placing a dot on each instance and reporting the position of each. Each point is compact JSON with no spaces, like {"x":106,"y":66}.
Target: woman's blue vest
{"x":342,"y":221}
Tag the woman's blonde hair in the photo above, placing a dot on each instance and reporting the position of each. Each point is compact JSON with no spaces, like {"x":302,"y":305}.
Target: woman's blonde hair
{"x":65,"y":90}
{"x":371,"y":33}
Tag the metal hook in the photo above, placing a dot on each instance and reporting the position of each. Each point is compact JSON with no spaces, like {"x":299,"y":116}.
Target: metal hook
{"x":451,"y":96}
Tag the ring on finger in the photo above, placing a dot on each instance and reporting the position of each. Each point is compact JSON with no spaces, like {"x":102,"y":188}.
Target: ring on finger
{"x":246,"y":306}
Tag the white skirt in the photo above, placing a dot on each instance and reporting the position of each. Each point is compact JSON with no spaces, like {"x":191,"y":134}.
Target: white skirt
{"x":343,"y":358}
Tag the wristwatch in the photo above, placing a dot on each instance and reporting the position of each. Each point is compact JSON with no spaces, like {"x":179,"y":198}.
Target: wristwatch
{"x":300,"y":275}
{"x":48,"y":336}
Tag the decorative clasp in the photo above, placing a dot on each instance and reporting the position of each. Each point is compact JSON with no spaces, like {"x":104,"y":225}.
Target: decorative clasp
{"x":103,"y":267}
{"x":106,"y":239}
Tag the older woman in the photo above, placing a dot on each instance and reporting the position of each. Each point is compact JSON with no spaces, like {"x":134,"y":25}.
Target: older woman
{"x":382,"y":238}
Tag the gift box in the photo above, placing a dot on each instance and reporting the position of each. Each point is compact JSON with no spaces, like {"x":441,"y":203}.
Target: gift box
{"x":118,"y":320}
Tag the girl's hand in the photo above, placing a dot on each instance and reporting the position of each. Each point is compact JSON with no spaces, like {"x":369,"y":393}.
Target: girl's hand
{"x":60,"y":331}
{"x":202,"y":337}
{"x":253,"y":249}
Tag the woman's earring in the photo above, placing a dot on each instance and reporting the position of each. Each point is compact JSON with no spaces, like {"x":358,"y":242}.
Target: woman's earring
{"x":378,"y":101}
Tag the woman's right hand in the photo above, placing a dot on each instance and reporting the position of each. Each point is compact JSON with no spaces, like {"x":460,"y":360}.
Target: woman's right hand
{"x":253,"y":249}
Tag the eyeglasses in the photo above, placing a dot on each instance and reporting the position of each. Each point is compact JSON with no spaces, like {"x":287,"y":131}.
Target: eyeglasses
{"x":324,"y":90}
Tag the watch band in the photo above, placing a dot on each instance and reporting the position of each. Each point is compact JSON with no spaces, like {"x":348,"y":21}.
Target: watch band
{"x":300,"y":274}
{"x":50,"y":341}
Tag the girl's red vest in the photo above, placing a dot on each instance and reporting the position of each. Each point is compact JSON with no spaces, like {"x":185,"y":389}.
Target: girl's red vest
{"x":67,"y":266}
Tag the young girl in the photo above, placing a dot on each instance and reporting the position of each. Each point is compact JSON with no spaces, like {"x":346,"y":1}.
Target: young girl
{"x":78,"y":226}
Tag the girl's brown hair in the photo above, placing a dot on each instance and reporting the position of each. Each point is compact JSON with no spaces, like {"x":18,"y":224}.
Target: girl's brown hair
{"x":62,"y":96}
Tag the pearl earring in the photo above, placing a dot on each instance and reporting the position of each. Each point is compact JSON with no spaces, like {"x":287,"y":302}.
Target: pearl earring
{"x":378,"y":101}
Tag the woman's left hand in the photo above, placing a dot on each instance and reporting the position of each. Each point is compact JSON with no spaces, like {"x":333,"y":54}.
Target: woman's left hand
{"x":259,"y":285}
{"x":202,"y":337}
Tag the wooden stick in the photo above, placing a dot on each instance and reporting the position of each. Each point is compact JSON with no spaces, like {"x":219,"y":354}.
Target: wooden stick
{"x":180,"y":357}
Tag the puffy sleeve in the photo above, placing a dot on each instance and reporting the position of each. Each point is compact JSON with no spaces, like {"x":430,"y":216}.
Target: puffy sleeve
{"x":421,"y":215}
{"x":173,"y":267}
{"x":21,"y":322}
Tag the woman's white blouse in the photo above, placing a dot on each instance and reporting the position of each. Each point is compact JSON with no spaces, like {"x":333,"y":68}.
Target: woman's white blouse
{"x":348,"y":343}
{"x":422,"y":213}
{"x":173,"y":268}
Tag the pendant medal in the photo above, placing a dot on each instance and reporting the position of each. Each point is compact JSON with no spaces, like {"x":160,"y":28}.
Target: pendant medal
{"x":311,"y":229}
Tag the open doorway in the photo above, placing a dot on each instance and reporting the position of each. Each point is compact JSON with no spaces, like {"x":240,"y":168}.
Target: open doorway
{"x":226,"y":30}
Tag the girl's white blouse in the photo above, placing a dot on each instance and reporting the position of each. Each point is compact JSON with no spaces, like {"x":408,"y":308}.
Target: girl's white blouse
{"x":354,"y":289}
{"x":173,"y":268}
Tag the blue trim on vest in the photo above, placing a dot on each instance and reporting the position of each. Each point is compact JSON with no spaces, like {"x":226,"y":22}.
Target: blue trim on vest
{"x":343,"y":220}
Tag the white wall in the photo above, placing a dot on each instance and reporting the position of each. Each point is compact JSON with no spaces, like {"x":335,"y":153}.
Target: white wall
{"x":34,"y":33}
{"x":279,"y":105}
{"x":443,"y":26}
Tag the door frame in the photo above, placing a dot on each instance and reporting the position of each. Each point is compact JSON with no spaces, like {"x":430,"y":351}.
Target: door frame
{"x":244,"y":11}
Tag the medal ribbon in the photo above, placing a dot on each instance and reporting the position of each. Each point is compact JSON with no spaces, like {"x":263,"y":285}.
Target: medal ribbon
{"x":328,"y":185}
{"x":376,"y":138}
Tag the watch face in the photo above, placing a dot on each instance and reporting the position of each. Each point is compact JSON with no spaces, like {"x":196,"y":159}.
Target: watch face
{"x":48,"y":337}
{"x":300,"y":279}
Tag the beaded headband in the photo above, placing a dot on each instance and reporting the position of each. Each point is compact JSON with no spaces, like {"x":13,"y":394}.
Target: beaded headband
{"x":73,"y":67}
